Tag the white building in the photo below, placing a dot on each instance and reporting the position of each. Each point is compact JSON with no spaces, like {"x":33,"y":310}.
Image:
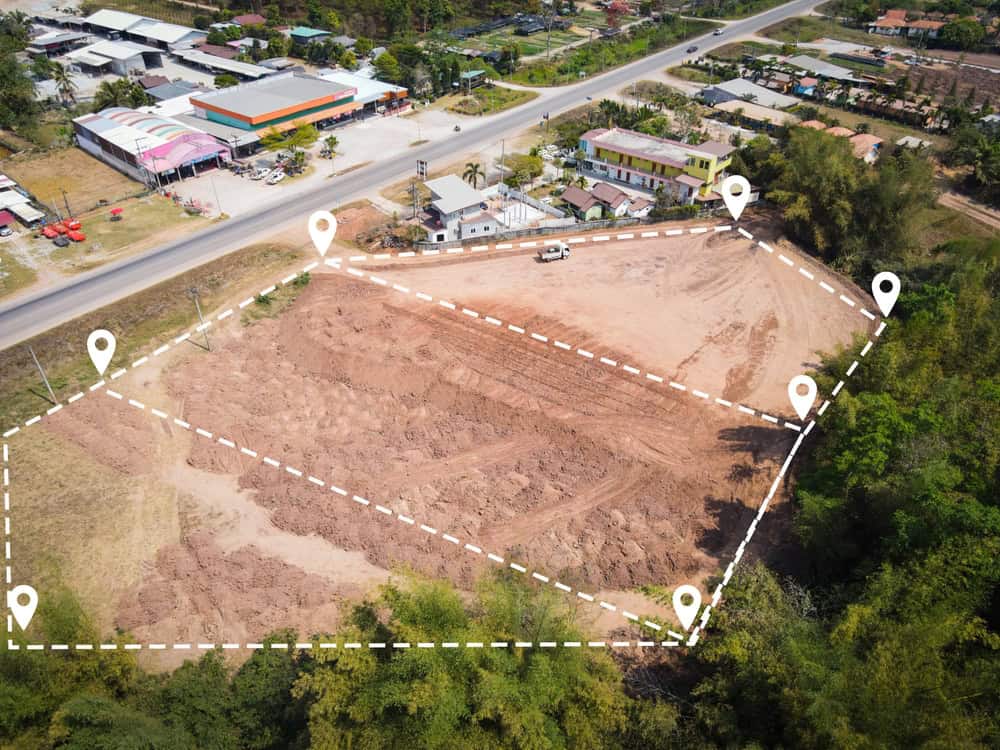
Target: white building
{"x":120,"y":57}
{"x":459,"y":211}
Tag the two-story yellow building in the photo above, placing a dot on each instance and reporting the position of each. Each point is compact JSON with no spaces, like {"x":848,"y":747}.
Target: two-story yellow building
{"x":691,"y":172}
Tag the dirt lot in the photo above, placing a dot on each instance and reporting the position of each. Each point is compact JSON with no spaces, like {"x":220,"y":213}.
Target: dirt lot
{"x":573,"y":469}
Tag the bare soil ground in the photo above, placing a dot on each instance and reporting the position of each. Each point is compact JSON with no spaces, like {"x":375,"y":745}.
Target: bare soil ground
{"x":573,"y":469}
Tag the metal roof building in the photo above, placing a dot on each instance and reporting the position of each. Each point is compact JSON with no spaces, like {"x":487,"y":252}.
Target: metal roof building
{"x":451,"y":193}
{"x":145,"y":146}
{"x":121,"y":57}
{"x":368,"y":91}
{"x":278,"y":101}
{"x":112,"y":20}
{"x":200,"y":59}
{"x":741,"y":88}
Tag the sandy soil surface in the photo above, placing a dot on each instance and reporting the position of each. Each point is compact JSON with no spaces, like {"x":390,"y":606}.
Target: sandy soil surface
{"x":577,"y":471}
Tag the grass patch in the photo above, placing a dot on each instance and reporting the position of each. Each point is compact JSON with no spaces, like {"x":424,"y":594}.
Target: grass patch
{"x":938,"y":224}
{"x":533,"y":44}
{"x":165,"y":10}
{"x":139,"y":322}
{"x":690,"y":73}
{"x":273,"y":304}
{"x":144,"y":221}
{"x":729,"y":9}
{"x":597,"y":19}
{"x":885,"y":129}
{"x":811,"y":28}
{"x":85,"y":180}
{"x":604,"y":54}
{"x":736,"y":51}
{"x":13,"y":274}
{"x":487,"y":100}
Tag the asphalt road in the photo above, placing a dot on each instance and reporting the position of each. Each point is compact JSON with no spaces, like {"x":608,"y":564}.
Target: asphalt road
{"x":31,"y":315}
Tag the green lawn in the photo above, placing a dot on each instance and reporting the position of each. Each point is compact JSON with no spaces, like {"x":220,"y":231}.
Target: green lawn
{"x":487,"y":100}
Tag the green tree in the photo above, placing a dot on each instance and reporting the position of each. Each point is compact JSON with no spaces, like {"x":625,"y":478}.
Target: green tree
{"x":444,"y":698}
{"x":225,"y":80}
{"x":120,"y":92}
{"x":962,"y":33}
{"x":473,"y":171}
{"x":387,"y":68}
{"x":817,"y":202}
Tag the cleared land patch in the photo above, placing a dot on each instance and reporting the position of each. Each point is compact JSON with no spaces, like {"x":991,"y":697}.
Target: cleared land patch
{"x":572,"y":469}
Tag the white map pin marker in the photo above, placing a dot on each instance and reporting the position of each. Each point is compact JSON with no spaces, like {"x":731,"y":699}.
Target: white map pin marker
{"x":22,"y":611}
{"x":886,"y":299}
{"x":322,"y":237}
{"x":687,"y":612}
{"x":101,"y":357}
{"x":738,"y":201}
{"x":802,"y":402}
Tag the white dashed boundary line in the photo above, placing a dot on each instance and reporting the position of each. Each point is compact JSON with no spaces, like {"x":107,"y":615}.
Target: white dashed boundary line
{"x":5,"y":484}
{"x":474,"y":316}
{"x":320,"y":644}
{"x":367,"y":503}
{"x":730,"y":569}
{"x":335,"y":262}
{"x":159,"y":351}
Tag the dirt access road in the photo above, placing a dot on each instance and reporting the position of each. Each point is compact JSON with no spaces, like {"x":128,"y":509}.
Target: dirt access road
{"x":580,"y":472}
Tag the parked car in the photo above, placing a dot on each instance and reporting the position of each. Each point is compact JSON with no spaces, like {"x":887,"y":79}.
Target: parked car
{"x":76,"y":236}
{"x":261,"y":174}
{"x":49,"y":232}
{"x":60,"y":241}
{"x":276,"y":176}
{"x":6,"y":231}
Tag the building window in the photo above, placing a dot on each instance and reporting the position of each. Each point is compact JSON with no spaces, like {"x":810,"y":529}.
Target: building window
{"x":472,"y":230}
{"x":486,"y":228}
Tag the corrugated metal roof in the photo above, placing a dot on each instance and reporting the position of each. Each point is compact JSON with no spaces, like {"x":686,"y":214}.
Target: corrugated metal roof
{"x":116,"y":20}
{"x":220,"y":63}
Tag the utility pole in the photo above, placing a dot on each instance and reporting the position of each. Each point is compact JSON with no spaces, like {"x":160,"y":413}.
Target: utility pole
{"x":44,"y":378}
{"x":503,"y":147}
{"x":193,"y":294}
{"x":218,"y":203}
{"x":414,"y":193}
{"x":69,"y":213}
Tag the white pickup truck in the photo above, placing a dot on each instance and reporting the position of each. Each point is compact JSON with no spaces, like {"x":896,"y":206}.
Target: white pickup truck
{"x":553,"y":252}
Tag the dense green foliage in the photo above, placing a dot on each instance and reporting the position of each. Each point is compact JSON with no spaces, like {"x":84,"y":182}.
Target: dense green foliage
{"x":17,"y":91}
{"x":601,"y":54}
{"x":979,"y":150}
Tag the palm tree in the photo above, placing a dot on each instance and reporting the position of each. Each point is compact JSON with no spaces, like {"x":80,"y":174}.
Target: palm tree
{"x":581,"y":182}
{"x":473,"y":171}
{"x":65,"y":84}
{"x":331,"y":142}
